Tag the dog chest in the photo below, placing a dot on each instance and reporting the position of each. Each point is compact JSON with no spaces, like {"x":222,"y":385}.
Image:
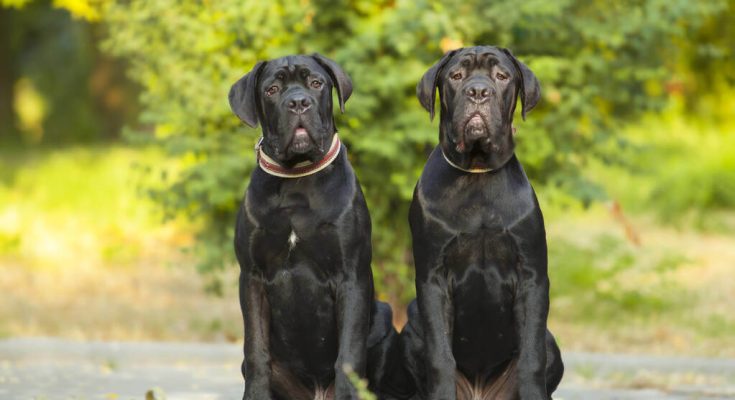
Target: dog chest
{"x":483,"y":273}
{"x":485,"y":260}
{"x":468,"y":203}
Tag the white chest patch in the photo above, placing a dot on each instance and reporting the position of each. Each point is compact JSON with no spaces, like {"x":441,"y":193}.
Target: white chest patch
{"x":292,"y":239}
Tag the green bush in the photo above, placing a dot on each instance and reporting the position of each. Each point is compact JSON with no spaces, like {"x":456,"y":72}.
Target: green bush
{"x":56,"y":87}
{"x":680,"y":168}
{"x":694,"y":177}
{"x":599,"y":63}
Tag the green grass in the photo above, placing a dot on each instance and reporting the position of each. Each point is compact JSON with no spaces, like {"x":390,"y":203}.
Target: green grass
{"x":57,"y":204}
{"x":606,"y":279}
{"x":85,"y":254}
{"x":668,"y":293}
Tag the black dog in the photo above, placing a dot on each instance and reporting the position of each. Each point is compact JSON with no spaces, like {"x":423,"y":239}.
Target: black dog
{"x":477,"y":329}
{"x":303,"y":242}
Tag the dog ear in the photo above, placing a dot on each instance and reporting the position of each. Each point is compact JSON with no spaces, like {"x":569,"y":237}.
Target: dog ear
{"x":426,"y":88}
{"x":244,"y":97}
{"x":529,"y":86}
{"x":339,"y":77}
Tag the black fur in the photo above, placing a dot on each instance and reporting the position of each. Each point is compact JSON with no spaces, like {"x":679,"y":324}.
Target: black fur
{"x":477,"y":329}
{"x":306,"y":287}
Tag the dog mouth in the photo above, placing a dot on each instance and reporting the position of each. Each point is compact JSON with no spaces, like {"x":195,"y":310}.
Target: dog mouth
{"x":478,"y":139}
{"x":475,"y":127}
{"x":301,"y":141}
{"x":474,"y":135}
{"x":477,"y":157}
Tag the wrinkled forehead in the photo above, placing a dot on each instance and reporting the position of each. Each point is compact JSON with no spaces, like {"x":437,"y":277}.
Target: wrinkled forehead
{"x":292,"y":67}
{"x":481,"y":57}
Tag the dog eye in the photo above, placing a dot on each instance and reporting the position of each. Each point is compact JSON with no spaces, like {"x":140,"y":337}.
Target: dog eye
{"x":457,"y":76}
{"x":316,"y":84}
{"x":271,"y":90}
{"x":501,"y":76}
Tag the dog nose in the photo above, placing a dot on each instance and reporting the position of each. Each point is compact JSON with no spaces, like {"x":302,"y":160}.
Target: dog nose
{"x":478,"y":92}
{"x":298,"y":104}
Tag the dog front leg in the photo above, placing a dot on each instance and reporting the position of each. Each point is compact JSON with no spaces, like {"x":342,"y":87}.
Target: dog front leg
{"x":256,"y":366}
{"x":435,"y":310}
{"x":435,"y":306}
{"x":353,"y":317}
{"x":354,"y":298}
{"x":532,"y":307}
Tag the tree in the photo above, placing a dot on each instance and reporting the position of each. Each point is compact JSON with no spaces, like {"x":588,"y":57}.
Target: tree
{"x":55,"y":85}
{"x":599,"y":63}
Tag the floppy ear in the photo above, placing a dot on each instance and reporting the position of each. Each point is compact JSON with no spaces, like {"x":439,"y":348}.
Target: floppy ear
{"x":243,"y":96}
{"x":341,"y":80}
{"x":426,"y":88}
{"x":529,"y":86}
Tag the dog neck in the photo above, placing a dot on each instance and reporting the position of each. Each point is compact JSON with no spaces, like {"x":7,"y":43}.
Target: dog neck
{"x":474,"y":170}
{"x":471,"y":170}
{"x":306,"y":168}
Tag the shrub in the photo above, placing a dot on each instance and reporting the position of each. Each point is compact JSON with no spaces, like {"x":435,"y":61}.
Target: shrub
{"x":599,"y":63}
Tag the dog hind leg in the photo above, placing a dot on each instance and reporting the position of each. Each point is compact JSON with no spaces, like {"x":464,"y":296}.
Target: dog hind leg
{"x":554,"y":364}
{"x":286,"y":386}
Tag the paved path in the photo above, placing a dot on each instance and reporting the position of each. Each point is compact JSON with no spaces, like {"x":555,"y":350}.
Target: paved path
{"x":51,"y":369}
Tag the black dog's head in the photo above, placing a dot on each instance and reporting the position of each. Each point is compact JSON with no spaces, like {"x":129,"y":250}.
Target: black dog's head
{"x":478,"y":88}
{"x":292,"y":98}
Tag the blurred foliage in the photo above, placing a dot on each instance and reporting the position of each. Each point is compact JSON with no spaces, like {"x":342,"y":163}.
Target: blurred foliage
{"x":360,"y":384}
{"x":30,"y":108}
{"x":600,"y":64}
{"x":55,"y":84}
{"x":75,"y":206}
{"x":638,"y":107}
{"x":610,"y":276}
{"x":681,"y":168}
{"x":14,"y":3}
{"x":84,"y":9}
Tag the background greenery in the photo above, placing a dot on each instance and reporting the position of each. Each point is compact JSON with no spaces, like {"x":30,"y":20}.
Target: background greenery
{"x":632,"y":148}
{"x":600,"y":64}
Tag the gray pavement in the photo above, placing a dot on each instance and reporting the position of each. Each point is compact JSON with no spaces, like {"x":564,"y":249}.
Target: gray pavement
{"x":51,"y":369}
